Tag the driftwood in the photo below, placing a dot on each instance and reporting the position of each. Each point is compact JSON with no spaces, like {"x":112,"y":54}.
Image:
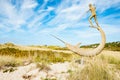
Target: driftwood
{"x":76,"y":49}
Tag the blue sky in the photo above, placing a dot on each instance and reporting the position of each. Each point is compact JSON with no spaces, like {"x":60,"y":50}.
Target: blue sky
{"x":30,"y":22}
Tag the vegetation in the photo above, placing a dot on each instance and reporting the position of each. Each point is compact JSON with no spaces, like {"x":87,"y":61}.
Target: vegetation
{"x":51,"y":47}
{"x":35,"y":55}
{"x":57,"y":48}
{"x":95,"y":70}
{"x":112,"y":58}
{"x":9,"y":61}
{"x":8,"y":44}
{"x":114,"y":46}
{"x":105,"y":66}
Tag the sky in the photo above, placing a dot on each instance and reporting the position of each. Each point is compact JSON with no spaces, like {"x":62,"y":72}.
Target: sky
{"x":30,"y":22}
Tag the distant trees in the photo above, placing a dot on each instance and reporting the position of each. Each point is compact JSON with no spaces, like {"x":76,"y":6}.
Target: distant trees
{"x":115,"y":46}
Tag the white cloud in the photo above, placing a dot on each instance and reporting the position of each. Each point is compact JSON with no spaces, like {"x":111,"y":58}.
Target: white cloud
{"x":102,"y":5}
{"x":111,"y":29}
{"x":69,"y":14}
{"x":90,"y":32}
{"x":29,"y":4}
{"x":72,"y":15}
{"x":16,"y":17}
{"x":36,"y":20}
{"x":50,"y":8}
{"x":7,"y":9}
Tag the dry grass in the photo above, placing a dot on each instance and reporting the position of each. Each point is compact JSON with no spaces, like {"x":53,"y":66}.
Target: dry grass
{"x":105,"y":66}
{"x":9,"y":61}
{"x":95,"y":70}
{"x":111,"y":57}
{"x":36,"y":55}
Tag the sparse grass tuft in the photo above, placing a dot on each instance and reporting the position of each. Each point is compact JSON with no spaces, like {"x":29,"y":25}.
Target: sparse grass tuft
{"x":43,"y":67}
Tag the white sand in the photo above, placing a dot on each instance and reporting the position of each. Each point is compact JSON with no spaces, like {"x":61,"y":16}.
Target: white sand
{"x":58,"y":71}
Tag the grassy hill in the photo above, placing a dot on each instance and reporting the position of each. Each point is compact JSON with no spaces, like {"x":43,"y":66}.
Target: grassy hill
{"x":105,"y":66}
{"x":32,"y":53}
{"x":114,"y":46}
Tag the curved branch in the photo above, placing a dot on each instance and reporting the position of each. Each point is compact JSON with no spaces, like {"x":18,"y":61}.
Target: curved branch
{"x":82,"y":52}
{"x":93,"y":52}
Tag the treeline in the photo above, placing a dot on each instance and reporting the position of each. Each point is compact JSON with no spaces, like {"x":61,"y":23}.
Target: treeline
{"x":114,"y":46}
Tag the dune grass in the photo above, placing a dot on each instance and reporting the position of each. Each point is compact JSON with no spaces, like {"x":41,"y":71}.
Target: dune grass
{"x":112,"y":58}
{"x":35,"y":55}
{"x":105,"y":66}
{"x":91,"y":72}
{"x":9,"y":61}
{"x":95,"y":70}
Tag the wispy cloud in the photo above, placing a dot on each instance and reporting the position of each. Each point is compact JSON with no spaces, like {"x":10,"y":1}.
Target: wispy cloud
{"x":103,"y":5}
{"x":29,"y":4}
{"x":54,"y":16}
